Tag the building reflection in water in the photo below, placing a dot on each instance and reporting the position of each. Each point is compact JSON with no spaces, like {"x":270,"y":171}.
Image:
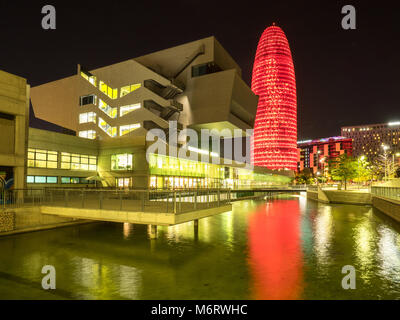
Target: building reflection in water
{"x":103,"y":281}
{"x":389,"y":253}
{"x":275,"y":255}
{"x":323,"y":232}
{"x":365,"y":250}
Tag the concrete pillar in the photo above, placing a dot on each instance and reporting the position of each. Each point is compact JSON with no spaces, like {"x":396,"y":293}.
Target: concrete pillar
{"x":153,"y":231}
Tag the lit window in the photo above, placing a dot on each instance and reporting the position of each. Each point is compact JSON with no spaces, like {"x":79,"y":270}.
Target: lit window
{"x":78,"y":162}
{"x":128,"y":89}
{"x":42,"y":158}
{"x":121,"y":162}
{"x":111,"y":131}
{"x":111,"y":112}
{"x":87,"y":117}
{"x":128,"y":128}
{"x":110,"y":92}
{"x":127,"y":109}
{"x":90,"y":78}
{"x":88,"y":134}
{"x":41,"y":179}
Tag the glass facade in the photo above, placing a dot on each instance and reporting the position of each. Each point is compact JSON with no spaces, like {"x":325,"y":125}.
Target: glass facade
{"x":41,"y":179}
{"x":90,"y":78}
{"x":122,"y":162}
{"x":111,"y":112}
{"x":76,"y":180}
{"x":128,"y":89}
{"x":169,"y":172}
{"x":72,"y":161}
{"x":88,"y":134}
{"x":108,"y":91}
{"x":87,"y":117}
{"x":111,"y":131}
{"x":38,"y":158}
{"x":127,"y":109}
{"x":128,"y":128}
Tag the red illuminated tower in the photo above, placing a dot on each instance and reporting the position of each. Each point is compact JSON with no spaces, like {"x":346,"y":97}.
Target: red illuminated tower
{"x":274,"y":144}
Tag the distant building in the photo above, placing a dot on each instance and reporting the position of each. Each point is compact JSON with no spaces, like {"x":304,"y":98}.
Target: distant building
{"x":315,"y":154}
{"x":369,"y":139}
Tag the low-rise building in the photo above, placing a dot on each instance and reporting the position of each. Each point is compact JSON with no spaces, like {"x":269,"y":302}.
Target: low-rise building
{"x":315,"y":154}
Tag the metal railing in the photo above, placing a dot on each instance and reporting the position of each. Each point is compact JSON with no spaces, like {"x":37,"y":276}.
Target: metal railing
{"x":386,"y":192}
{"x":178,"y":201}
{"x":21,"y":197}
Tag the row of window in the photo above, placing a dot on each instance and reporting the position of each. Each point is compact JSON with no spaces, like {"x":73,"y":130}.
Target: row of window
{"x":107,"y":90}
{"x":38,"y":158}
{"x":54,"y":180}
{"x":111,"y":112}
{"x":108,"y":110}
{"x":88,"y":134}
{"x":112,"y":131}
{"x":42,"y":158}
{"x":73,"y":161}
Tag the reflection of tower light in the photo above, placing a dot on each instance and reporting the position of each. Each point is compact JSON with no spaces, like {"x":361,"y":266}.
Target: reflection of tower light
{"x":274,"y":144}
{"x":323,"y":234}
{"x":275,"y":255}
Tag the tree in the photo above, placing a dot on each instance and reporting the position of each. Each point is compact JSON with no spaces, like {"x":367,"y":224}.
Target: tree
{"x":343,"y":168}
{"x":364,"y":171}
{"x":304,"y":177}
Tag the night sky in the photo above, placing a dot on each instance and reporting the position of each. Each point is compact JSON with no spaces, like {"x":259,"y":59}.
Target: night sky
{"x":344,"y":77}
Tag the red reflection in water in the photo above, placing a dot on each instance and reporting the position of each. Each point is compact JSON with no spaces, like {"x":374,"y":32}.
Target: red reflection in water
{"x":275,"y":255}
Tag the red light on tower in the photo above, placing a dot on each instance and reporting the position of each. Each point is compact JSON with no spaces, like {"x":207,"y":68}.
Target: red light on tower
{"x":274,"y":144}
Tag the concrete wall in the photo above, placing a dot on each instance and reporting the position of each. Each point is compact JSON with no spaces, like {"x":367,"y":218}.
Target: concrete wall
{"x":30,"y":219}
{"x":57,"y":102}
{"x":14,"y":102}
{"x":387,"y":206}
{"x":333,"y":196}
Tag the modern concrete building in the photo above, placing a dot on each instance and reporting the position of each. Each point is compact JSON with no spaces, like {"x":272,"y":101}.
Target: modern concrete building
{"x":198,"y":84}
{"x":14,"y":113}
{"x":369,"y":139}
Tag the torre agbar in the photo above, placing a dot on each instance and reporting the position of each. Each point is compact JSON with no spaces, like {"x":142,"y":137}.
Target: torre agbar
{"x":275,"y":128}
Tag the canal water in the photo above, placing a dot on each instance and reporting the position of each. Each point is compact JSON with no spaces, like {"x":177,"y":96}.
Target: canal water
{"x":283,"y":248}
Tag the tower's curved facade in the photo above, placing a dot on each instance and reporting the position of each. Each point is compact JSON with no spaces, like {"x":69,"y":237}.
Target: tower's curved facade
{"x":274,"y":143}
